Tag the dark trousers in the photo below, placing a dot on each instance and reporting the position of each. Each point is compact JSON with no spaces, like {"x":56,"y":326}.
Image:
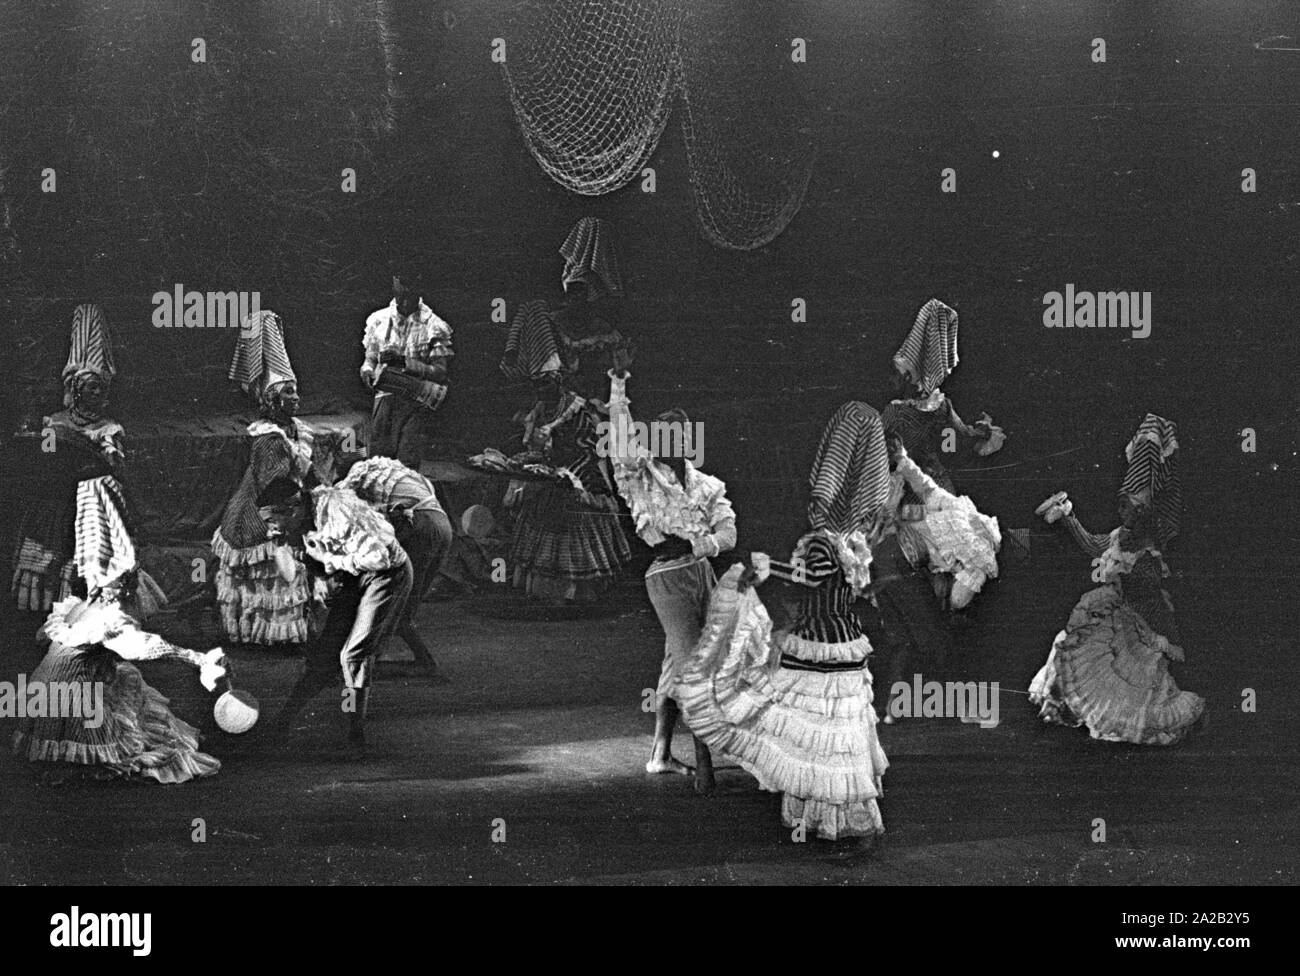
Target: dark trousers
{"x":362,"y":611}
{"x":426,"y":537}
{"x":399,"y":429}
{"x":918,"y":634}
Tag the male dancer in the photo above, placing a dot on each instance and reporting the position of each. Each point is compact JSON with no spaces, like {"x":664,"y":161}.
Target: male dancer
{"x":407,"y":499}
{"x":364,"y":583}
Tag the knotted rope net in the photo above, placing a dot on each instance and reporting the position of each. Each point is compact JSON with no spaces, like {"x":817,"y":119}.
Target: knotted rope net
{"x":593,"y":82}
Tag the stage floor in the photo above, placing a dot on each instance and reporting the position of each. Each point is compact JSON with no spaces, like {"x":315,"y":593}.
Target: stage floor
{"x":541,"y":727}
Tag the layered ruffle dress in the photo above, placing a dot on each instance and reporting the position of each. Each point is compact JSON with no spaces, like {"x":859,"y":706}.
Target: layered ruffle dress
{"x":948,"y":533}
{"x":139,"y":735}
{"x":1109,"y":668}
{"x":568,"y":543}
{"x":262,"y":587}
{"x":794,"y":708}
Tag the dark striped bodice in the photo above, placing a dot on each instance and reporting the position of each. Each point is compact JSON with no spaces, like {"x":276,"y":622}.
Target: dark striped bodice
{"x":825,"y":611}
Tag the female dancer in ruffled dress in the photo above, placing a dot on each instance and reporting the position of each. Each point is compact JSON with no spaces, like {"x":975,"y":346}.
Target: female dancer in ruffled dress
{"x":546,"y":338}
{"x":922,"y":422}
{"x":78,"y":475}
{"x":262,"y":585}
{"x":93,"y":643}
{"x":795,"y":708}
{"x":567,"y":544}
{"x":684,"y":516}
{"x":1109,"y":668}
{"x":920,"y":417}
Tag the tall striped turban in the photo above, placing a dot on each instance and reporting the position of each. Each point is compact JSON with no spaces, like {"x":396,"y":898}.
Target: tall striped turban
{"x":91,"y":350}
{"x":1152,"y":457}
{"x":929,"y":353}
{"x":850,"y":475}
{"x":532,"y":348}
{"x":261,"y":360}
{"x":588,"y":254}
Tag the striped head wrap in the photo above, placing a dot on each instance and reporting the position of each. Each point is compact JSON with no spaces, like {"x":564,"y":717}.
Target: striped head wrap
{"x":91,"y":350}
{"x":929,"y":353}
{"x":532,"y":349}
{"x":588,"y":254}
{"x":261,"y":360}
{"x":1152,"y":457}
{"x":850,"y":475}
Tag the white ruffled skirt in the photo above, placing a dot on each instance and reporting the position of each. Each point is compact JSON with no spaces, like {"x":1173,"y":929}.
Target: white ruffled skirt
{"x":959,"y":539}
{"x":1107,"y":671}
{"x":806,"y":734}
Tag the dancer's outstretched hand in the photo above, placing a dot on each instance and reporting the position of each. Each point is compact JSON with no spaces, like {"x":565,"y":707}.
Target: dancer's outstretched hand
{"x":749,"y":576}
{"x":1055,"y":508}
{"x":215,"y":666}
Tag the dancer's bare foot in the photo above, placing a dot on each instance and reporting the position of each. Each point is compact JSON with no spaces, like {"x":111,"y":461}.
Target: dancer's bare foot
{"x":669,"y":765}
{"x":705,"y":784}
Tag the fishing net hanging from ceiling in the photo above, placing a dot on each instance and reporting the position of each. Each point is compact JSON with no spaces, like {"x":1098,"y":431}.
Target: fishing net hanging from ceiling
{"x":592,"y":83}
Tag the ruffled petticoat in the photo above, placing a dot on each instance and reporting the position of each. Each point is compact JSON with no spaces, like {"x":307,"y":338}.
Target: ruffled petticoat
{"x":806,"y":734}
{"x":139,"y":736}
{"x":258,"y":605}
{"x":1106,"y":671}
{"x":562,"y":549}
{"x":41,"y":577}
{"x":958,"y":539}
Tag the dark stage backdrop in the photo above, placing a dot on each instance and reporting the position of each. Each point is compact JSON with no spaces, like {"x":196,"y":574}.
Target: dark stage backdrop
{"x":1121,"y":175}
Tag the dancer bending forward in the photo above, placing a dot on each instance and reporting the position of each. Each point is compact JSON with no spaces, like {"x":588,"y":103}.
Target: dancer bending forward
{"x":795,"y":708}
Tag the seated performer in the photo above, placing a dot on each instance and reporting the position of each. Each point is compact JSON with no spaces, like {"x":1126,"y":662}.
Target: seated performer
{"x":364,"y":580}
{"x":408,"y":501}
{"x":1109,"y":668}
{"x":93,"y":643}
{"x":262,"y":586}
{"x":407,"y":355}
{"x":795,"y":708}
{"x":684,"y":515}
{"x":76,"y":533}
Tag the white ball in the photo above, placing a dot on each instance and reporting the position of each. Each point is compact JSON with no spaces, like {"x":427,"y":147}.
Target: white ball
{"x":235,"y":711}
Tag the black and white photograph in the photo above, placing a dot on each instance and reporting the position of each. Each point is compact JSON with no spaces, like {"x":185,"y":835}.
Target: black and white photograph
{"x":651,"y":443}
